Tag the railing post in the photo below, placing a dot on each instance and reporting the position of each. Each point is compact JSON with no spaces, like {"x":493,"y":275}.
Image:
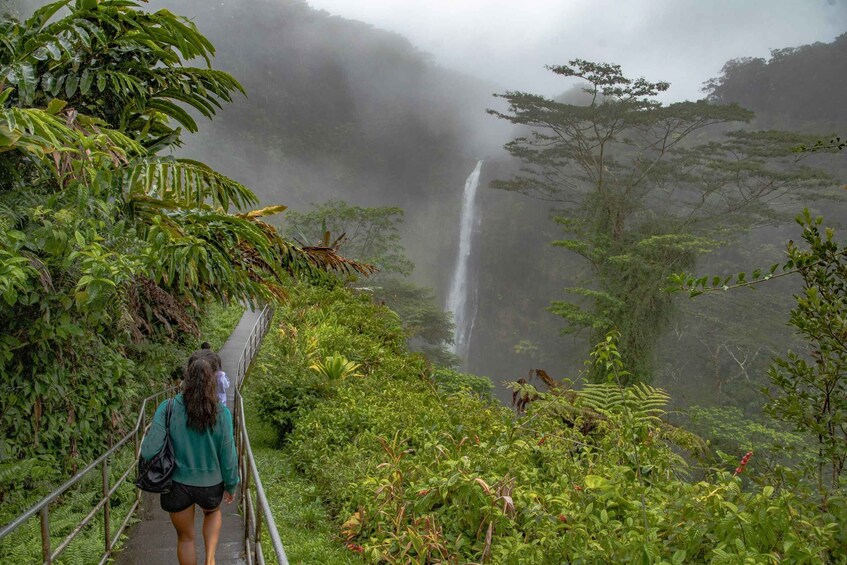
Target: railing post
{"x":245,"y":495}
{"x":258,"y":540}
{"x":45,"y":535}
{"x":140,"y":431}
{"x":107,"y":507}
{"x":248,"y":522}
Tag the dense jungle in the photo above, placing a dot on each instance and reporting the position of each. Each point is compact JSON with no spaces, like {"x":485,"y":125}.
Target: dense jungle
{"x":603,"y":325}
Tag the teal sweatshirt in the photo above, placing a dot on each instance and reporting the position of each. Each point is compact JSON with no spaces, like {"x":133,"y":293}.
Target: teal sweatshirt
{"x":202,"y":459}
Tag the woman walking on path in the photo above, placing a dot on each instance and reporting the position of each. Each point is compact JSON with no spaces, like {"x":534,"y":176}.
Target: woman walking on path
{"x":206,"y":465}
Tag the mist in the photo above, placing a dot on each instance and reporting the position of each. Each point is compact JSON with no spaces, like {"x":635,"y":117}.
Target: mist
{"x":540,"y":282}
{"x":383,"y":103}
{"x":676,"y":41}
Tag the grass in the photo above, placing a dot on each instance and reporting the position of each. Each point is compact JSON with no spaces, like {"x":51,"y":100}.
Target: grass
{"x":24,"y":544}
{"x":308,"y":534}
{"x":218,"y":323}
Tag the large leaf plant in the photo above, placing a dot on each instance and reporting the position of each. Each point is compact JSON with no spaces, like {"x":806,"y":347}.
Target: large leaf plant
{"x":106,"y":243}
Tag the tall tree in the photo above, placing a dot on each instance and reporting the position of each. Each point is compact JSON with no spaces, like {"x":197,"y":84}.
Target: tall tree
{"x":371,"y":235}
{"x":641,"y":189}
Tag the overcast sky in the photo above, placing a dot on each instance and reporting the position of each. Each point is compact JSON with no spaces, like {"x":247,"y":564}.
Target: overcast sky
{"x":684,"y":42}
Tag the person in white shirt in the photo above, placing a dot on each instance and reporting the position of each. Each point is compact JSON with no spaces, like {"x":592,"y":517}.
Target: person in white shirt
{"x":222,"y":382}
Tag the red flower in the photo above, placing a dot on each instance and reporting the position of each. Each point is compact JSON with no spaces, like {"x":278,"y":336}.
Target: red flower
{"x":563,"y":518}
{"x":743,"y":464}
{"x":542,"y":440}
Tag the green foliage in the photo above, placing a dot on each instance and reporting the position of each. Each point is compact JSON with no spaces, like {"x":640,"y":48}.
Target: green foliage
{"x":449,"y":381}
{"x":305,"y":529}
{"x":372,"y":235}
{"x":112,"y":61}
{"x":778,"y":453}
{"x":335,"y":368}
{"x":428,"y":327}
{"x":413,"y":473}
{"x":642,"y":189}
{"x":809,"y":391}
{"x":304,"y":331}
{"x":698,"y":285}
{"x":644,"y":402}
{"x":24,"y":544}
{"x":107,"y":250}
{"x":218,"y":322}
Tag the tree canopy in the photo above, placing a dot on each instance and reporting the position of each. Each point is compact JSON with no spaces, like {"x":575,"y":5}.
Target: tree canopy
{"x":642,"y":189}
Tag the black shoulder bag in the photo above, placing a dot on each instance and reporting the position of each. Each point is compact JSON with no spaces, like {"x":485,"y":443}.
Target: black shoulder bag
{"x":155,"y":475}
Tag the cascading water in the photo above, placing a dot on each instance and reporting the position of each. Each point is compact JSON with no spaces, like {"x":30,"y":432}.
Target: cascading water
{"x":458,"y":300}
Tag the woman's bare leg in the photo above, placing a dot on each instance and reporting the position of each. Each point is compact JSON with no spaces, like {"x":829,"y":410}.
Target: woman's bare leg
{"x":184,"y":524}
{"x":212,"y":520}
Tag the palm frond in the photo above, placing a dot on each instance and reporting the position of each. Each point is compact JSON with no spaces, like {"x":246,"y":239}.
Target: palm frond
{"x":328,"y":259}
{"x":67,"y":144}
{"x":183,"y":183}
{"x":69,"y":58}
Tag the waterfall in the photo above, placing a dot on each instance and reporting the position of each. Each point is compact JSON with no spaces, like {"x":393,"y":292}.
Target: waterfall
{"x":458,"y":299}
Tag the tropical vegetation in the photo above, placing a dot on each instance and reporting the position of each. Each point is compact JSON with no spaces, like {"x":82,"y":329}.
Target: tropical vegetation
{"x":110,"y":249}
{"x":414,"y":465}
{"x":116,"y":257}
{"x":643,"y":189}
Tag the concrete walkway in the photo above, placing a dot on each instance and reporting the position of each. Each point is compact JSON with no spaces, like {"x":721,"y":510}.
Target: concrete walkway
{"x":152,"y":541}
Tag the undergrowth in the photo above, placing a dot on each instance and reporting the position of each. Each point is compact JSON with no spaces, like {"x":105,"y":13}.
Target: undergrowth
{"x":413,"y":465}
{"x":305,"y":528}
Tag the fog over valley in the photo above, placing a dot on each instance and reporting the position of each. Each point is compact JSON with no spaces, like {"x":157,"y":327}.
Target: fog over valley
{"x":384,"y":104}
{"x":683,"y":42}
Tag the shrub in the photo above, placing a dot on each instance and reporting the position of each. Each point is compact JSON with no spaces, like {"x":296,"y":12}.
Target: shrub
{"x":417,"y":466}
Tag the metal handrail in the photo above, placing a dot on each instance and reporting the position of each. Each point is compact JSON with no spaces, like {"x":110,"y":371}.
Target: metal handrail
{"x":42,"y":507}
{"x":247,"y":463}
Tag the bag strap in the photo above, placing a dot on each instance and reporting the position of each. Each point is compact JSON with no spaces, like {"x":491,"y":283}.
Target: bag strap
{"x":168,"y":417}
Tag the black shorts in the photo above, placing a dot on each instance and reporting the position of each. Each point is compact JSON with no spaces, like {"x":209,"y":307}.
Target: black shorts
{"x":182,"y":496}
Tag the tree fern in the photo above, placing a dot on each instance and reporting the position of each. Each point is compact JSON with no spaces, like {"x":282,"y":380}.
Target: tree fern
{"x":644,"y":402}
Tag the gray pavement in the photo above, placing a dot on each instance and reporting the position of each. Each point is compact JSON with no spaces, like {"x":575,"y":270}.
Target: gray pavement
{"x":153,"y":540}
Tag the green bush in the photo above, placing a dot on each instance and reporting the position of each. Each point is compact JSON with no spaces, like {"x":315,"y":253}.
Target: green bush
{"x":416,"y":466}
{"x":448,"y":380}
{"x":218,"y":322}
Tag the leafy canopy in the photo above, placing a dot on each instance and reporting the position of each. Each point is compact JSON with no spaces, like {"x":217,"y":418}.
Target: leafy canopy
{"x":642,"y":189}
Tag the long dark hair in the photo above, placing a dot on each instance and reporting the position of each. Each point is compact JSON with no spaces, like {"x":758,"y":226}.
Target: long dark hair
{"x":208,"y":356}
{"x":199,"y":393}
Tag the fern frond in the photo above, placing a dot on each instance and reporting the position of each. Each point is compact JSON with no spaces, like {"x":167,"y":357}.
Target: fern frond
{"x":646,"y":403}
